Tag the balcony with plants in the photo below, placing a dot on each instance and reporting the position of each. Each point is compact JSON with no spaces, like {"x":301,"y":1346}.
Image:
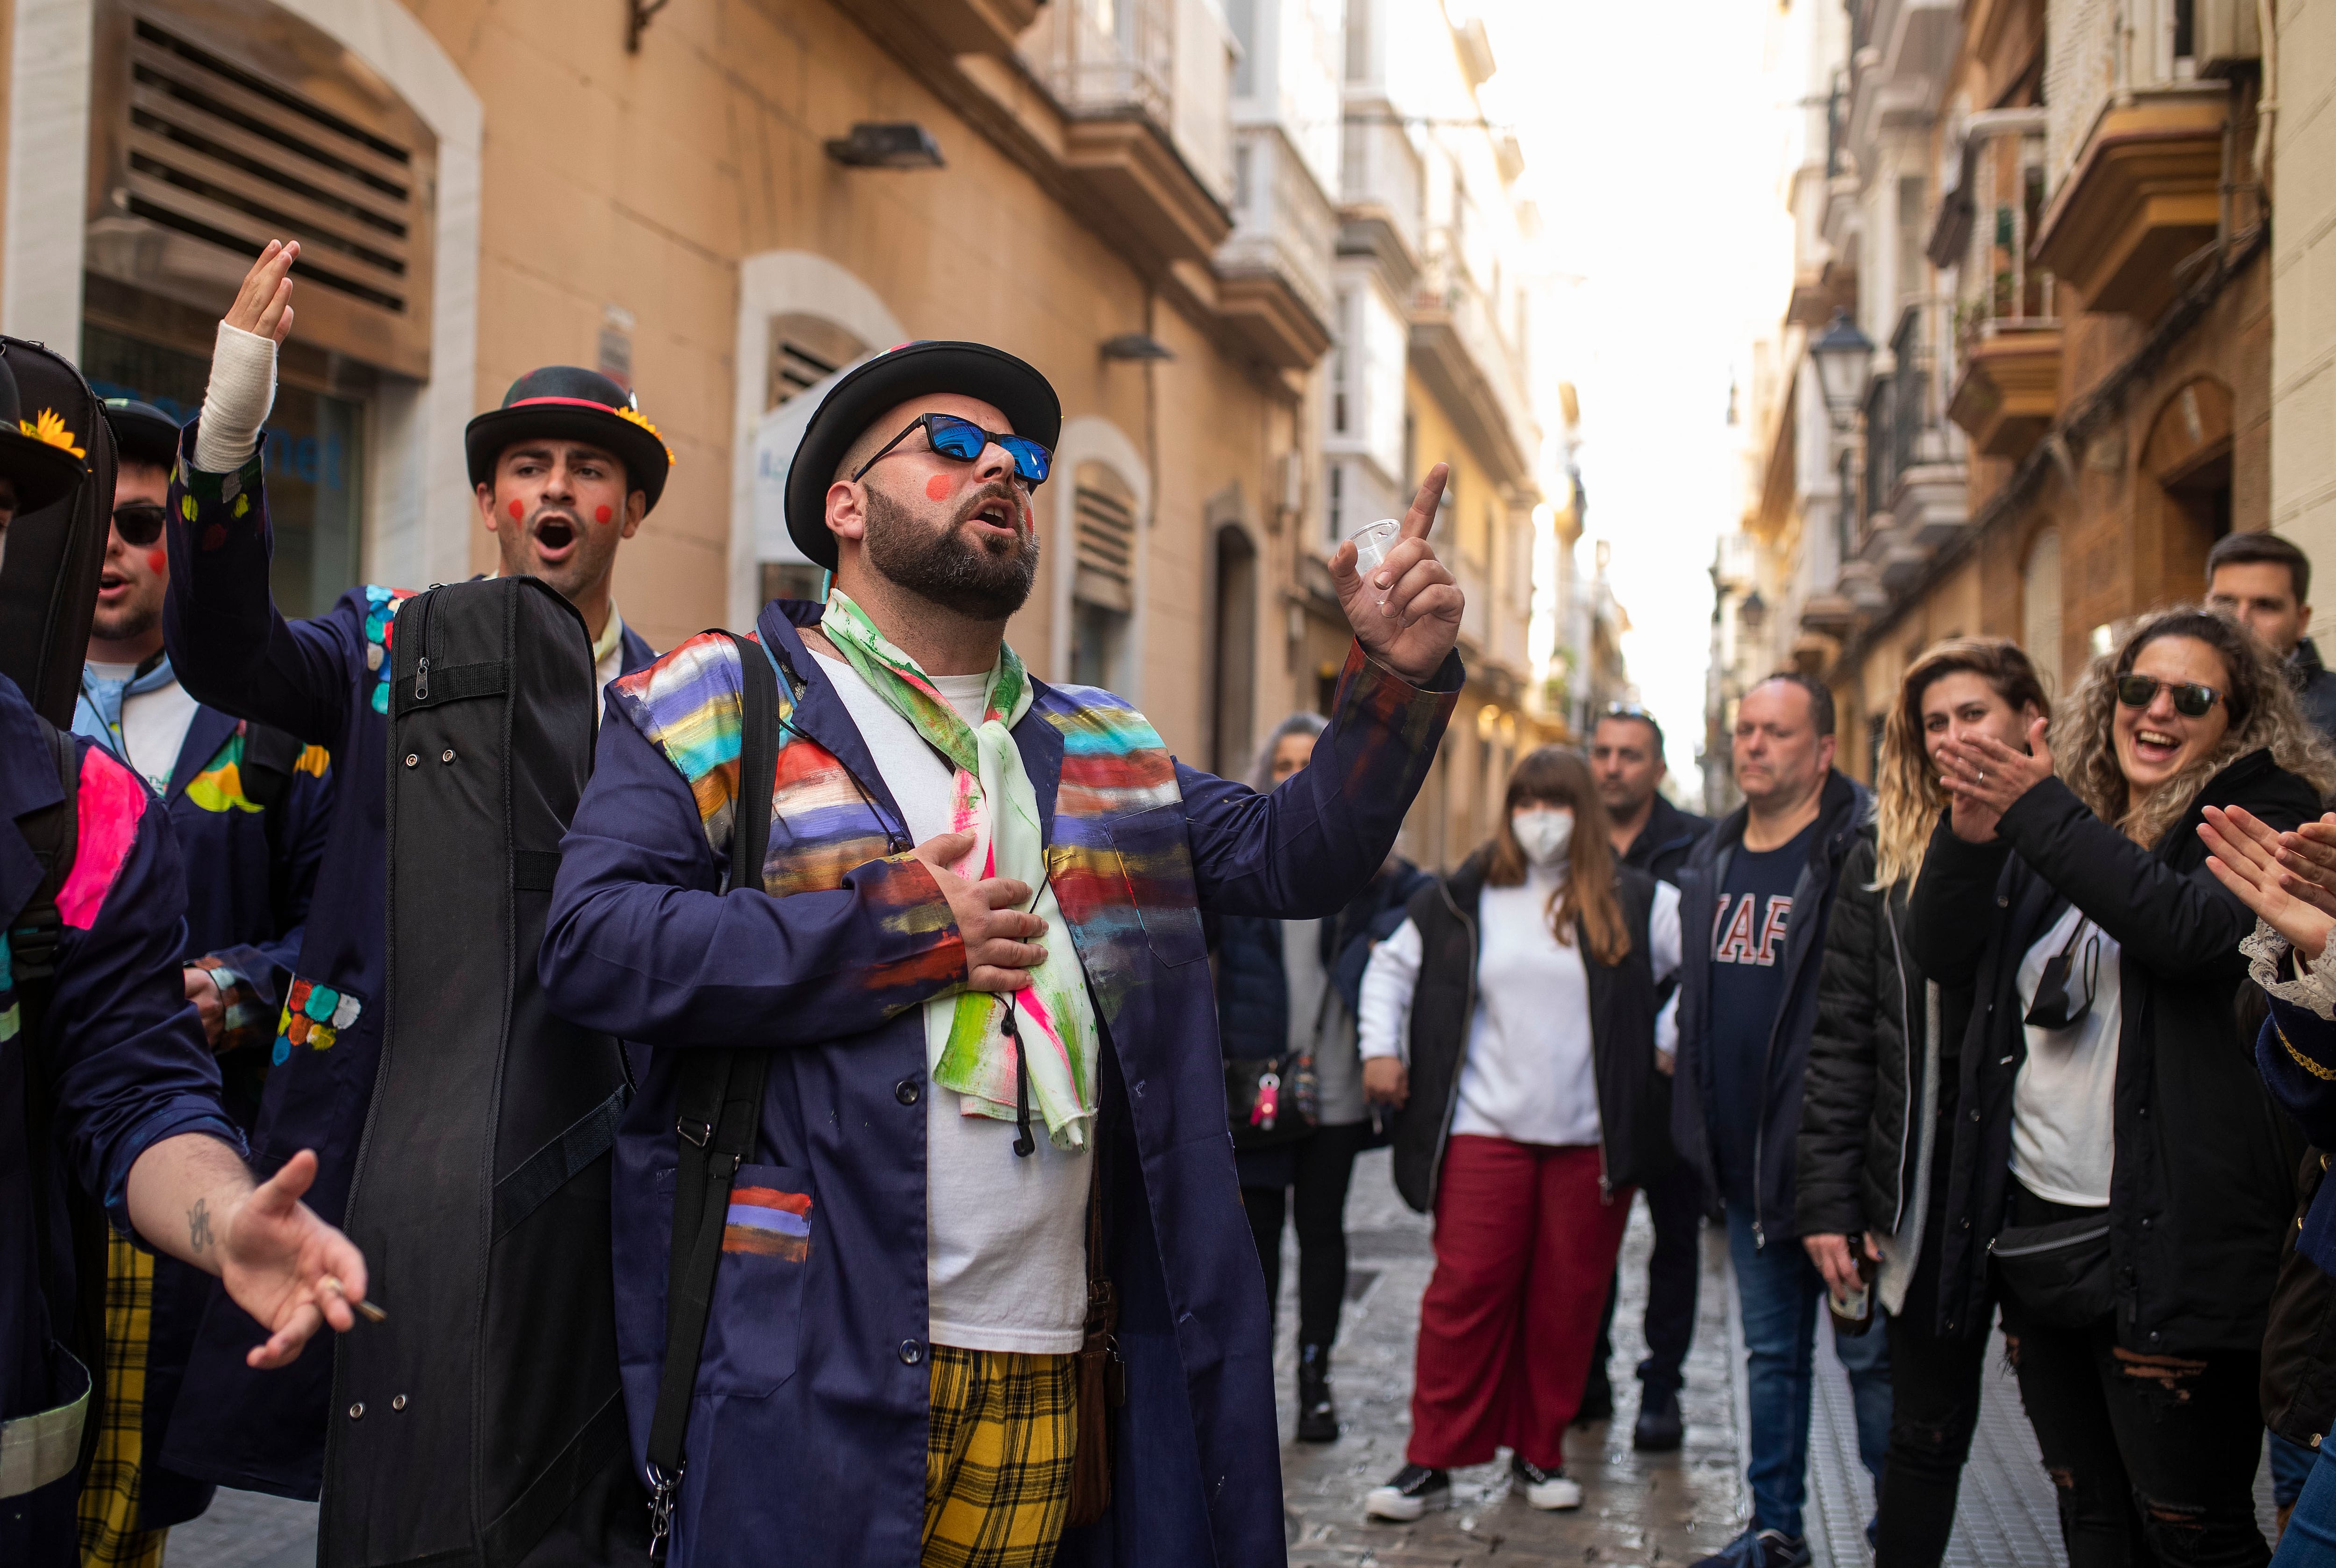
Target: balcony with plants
{"x":2007,"y":336}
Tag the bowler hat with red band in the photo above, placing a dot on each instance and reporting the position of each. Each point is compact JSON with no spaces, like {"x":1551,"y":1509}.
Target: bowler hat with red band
{"x":914,"y":370}
{"x":566,"y":402}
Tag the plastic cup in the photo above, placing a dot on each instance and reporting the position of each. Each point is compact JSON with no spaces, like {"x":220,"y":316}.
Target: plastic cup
{"x":1371,"y":546}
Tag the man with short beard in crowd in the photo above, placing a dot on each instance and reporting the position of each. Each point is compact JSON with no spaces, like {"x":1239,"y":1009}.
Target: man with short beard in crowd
{"x":562,"y":472}
{"x":976,"y":957}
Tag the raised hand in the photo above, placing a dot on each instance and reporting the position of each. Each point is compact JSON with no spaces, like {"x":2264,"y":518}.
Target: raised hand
{"x":1415,"y":628}
{"x":2243,"y":854}
{"x":264,"y":303}
{"x":2307,"y":857}
{"x":1982,"y":777}
{"x":997,"y":955}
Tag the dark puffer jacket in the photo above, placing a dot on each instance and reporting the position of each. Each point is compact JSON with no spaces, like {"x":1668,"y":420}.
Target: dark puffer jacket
{"x":1252,"y":986}
{"x":1633,"y":1096}
{"x":2202,"y":1184}
{"x":1875,"y":1048}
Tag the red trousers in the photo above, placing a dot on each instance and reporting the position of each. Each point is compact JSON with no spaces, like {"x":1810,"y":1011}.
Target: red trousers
{"x":1525,"y":1254}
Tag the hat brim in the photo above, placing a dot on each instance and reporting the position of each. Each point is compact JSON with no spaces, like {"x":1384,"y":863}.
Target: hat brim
{"x":1011,"y":385}
{"x":43,"y":474}
{"x":646,"y":465}
{"x":142,"y":438}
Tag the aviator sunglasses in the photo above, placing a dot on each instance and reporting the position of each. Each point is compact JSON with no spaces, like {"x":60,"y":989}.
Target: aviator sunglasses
{"x":2190,"y":700}
{"x":138,"y":522}
{"x":964,"y":440}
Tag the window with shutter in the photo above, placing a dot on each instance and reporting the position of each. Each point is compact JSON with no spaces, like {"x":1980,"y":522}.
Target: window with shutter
{"x":1102,"y":587}
{"x":222,"y":124}
{"x":806,"y":350}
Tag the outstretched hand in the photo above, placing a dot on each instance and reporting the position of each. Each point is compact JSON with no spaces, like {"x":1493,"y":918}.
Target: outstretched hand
{"x":1983,"y":778}
{"x":264,"y":303}
{"x":2246,"y":855}
{"x":1416,"y":623}
{"x":286,"y":1267}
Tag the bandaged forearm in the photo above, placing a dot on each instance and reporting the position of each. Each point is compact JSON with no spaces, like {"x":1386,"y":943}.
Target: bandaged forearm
{"x":236,"y":404}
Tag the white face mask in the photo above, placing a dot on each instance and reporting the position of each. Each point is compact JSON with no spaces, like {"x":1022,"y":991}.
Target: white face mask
{"x":1543,"y":833}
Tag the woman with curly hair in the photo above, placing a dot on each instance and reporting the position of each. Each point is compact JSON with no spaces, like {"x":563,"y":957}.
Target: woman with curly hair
{"x":1879,"y":1099}
{"x":2118,"y":1167}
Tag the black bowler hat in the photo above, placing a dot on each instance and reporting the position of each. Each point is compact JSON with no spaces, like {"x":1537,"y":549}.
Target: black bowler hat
{"x":565,"y":402}
{"x":143,"y":433}
{"x":39,"y":455}
{"x":914,"y":370}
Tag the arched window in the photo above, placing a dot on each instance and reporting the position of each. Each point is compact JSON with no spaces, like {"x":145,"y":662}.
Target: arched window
{"x":2039,"y":606}
{"x":805,"y":350}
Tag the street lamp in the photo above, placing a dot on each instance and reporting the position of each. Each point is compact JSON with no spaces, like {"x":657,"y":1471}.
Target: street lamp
{"x":1843,"y":356}
{"x":1753,"y":612}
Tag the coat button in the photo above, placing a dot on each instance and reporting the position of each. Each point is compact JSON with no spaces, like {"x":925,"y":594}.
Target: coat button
{"x":1974,"y":1113}
{"x":2145,"y":1226}
{"x":2144,"y":1111}
{"x":911,"y":1352}
{"x":1964,"y":1223}
{"x":398,"y":1403}
{"x":447,"y":755}
{"x":412,"y":757}
{"x":2002,"y":901}
{"x":356,"y":1412}
{"x":2315,"y":1439}
{"x":908,"y":1091}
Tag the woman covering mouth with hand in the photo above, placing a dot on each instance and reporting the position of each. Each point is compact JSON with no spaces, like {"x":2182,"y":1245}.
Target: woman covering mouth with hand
{"x":2112,"y":1182}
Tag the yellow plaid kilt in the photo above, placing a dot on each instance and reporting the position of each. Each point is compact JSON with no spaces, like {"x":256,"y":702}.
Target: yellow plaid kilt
{"x":110,"y":1493}
{"x":998,"y":1457}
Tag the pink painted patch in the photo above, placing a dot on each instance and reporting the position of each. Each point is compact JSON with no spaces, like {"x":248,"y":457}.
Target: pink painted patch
{"x":517,"y":511}
{"x":214,"y":536}
{"x":111,"y":802}
{"x":937,"y":488}
{"x":158,"y":562}
{"x":602,"y":515}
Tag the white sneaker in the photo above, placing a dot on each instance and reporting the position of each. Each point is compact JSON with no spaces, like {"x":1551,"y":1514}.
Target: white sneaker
{"x":1415,"y":1490}
{"x":1544,"y":1489}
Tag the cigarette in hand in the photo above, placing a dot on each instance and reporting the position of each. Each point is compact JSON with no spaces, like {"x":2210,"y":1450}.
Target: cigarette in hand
{"x":365,"y":1310}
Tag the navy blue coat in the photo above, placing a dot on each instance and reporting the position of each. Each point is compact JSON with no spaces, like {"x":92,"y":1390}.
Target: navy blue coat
{"x":131,"y":1069}
{"x":806,"y":1442}
{"x":2296,"y":1053}
{"x":327,"y":680}
{"x":1840,"y":809}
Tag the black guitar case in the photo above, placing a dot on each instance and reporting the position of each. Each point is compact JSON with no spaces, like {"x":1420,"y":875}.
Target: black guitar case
{"x":482,"y":1424}
{"x":54,"y":555}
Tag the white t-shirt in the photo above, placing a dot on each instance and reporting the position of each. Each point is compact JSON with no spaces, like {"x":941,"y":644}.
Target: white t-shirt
{"x":2064,"y":1101}
{"x":1529,"y":1076}
{"x":1004,"y":1235}
{"x":153,"y":724}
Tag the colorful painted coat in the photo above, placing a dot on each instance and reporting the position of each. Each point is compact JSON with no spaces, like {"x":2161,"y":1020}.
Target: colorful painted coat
{"x":327,"y":680}
{"x":131,"y":1070}
{"x":807,"y":1441}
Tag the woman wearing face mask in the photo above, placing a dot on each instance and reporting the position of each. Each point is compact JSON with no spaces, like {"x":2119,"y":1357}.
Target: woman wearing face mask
{"x":2119,"y":1176}
{"x":1513,"y":1018}
{"x":1286,"y":999}
{"x":1879,"y":1098}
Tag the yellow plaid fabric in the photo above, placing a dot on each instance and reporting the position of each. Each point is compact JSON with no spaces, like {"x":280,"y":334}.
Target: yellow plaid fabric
{"x":110,"y":1537}
{"x":998,"y":1457}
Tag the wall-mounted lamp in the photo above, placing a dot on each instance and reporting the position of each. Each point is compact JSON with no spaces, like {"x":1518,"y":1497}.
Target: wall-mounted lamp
{"x":1136,"y":346}
{"x":1753,"y":612}
{"x":1843,"y":356}
{"x":890,"y":144}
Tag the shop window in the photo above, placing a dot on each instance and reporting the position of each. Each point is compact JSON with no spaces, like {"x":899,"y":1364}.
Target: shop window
{"x":1103,"y":591}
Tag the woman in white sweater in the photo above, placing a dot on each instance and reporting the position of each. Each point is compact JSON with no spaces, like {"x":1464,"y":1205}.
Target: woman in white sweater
{"x":1515,"y":1020}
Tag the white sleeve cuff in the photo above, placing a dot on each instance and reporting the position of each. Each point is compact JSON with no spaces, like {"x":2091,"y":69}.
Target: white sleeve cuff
{"x":242,"y":389}
{"x":2269,"y":956}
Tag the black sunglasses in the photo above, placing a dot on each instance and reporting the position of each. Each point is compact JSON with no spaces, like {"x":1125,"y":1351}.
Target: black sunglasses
{"x":964,"y":440}
{"x":2190,"y":700}
{"x":138,"y":522}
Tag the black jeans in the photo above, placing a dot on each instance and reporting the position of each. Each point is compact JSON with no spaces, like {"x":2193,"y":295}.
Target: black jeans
{"x":1675,"y":1203}
{"x":1325,"y":1163}
{"x":2151,"y":1456}
{"x":1934,"y":1391}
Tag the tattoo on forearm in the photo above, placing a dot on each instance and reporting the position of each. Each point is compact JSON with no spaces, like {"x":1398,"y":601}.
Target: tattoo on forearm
{"x":199,"y":1225}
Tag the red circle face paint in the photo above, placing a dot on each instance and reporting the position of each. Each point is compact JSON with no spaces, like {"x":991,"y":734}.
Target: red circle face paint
{"x":517,"y":511}
{"x":937,"y":488}
{"x":158,"y":562}
{"x":603,"y":515}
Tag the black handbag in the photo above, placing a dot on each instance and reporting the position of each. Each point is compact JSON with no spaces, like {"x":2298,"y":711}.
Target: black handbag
{"x":2059,"y":1273}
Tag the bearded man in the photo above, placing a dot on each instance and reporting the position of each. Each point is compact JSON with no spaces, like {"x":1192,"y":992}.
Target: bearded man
{"x":976,"y":958}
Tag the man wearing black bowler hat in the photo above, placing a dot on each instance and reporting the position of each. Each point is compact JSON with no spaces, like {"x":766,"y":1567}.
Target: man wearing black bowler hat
{"x":564,"y":472}
{"x":975,"y":951}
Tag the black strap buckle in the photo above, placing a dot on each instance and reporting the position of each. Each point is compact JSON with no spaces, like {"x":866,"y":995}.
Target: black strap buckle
{"x":692,"y":1130}
{"x":664,"y":1492}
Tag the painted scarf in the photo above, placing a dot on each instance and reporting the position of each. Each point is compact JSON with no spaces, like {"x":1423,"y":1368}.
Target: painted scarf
{"x":991,"y":799}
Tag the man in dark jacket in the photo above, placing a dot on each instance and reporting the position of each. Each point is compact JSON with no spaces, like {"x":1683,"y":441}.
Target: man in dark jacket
{"x":2264,"y":583}
{"x":1755,"y":895}
{"x":1653,"y":835}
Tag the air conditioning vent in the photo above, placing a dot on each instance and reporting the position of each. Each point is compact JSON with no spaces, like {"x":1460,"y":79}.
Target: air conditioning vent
{"x":224,"y":124}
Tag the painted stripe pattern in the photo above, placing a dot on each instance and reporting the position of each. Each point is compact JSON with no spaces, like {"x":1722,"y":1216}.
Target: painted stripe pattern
{"x":768,"y":1223}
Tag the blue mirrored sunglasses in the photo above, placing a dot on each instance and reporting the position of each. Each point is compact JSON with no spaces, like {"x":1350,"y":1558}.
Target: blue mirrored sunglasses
{"x":964,"y":440}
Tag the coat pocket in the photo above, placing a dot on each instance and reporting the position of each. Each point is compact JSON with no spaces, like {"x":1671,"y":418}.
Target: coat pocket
{"x":754,"y":1332}
{"x":1156,"y":858}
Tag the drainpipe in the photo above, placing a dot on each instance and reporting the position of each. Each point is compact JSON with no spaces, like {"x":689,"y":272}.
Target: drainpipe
{"x":2267,"y":100}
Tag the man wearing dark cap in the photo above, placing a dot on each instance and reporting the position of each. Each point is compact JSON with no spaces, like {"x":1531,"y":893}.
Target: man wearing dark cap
{"x":976,"y":953}
{"x":569,"y":469}
{"x":107,"y":1087}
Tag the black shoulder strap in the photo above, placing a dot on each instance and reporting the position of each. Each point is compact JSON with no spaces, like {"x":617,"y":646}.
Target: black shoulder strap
{"x":269,"y":759}
{"x":50,"y":833}
{"x":720,"y":1111}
